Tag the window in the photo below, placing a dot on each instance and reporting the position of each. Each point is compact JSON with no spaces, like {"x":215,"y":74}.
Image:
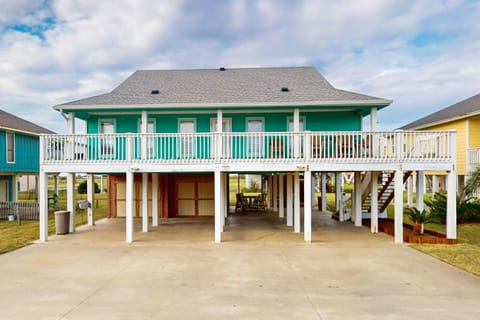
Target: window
{"x":150,"y":140}
{"x":107,"y":143}
{"x":10,"y":147}
{"x":255,"y":143}
{"x":187,"y":142}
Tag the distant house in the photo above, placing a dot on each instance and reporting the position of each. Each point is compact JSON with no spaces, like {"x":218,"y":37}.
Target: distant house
{"x":19,"y":152}
{"x":171,"y":139}
{"x":464,"y":118}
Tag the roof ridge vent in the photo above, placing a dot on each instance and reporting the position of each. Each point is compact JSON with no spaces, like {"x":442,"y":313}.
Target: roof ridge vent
{"x":222,"y":69}
{"x":155,"y":91}
{"x":284,"y":89}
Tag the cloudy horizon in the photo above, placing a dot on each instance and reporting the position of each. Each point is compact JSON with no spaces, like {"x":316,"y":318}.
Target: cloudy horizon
{"x":423,"y":55}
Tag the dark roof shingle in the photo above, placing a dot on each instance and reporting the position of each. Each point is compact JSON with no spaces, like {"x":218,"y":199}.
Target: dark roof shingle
{"x":232,"y":86}
{"x":9,"y":121}
{"x":457,"y":110}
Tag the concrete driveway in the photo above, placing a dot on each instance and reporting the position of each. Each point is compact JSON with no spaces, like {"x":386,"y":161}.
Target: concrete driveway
{"x":262,"y":270}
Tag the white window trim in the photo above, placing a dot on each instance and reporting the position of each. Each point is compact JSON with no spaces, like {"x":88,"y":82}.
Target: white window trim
{"x":100,"y":153}
{"x":302,"y":119}
{"x":13,"y":146}
{"x":180,"y":152}
{"x":261,"y":148}
{"x":151,"y":149}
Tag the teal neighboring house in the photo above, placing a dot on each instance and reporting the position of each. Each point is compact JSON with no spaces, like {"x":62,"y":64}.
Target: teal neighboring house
{"x":19,"y":152}
{"x":170,"y":140}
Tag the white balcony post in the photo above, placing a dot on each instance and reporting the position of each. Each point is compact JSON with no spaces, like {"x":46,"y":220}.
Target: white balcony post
{"x":155,"y":199}
{"x":270,"y":191}
{"x":219,"y":149}
{"x":324,"y":192}
{"x":357,"y":199}
{"x":129,"y":146}
{"x":70,"y":147}
{"x":43,"y":205}
{"x":289,"y":199}
{"x":435,"y":184}
{"x":296,"y":202}
{"x":275,"y":192}
{"x":281,"y":196}
{"x":296,"y":130}
{"x":373,"y":119}
{"x":307,"y":206}
{"x":374,"y":203}
{"x":218,"y":206}
{"x":129,"y":207}
{"x":90,"y":199}
{"x":144,"y":202}
{"x":451,"y":205}
{"x":410,"y":191}
{"x":307,"y":146}
{"x":71,"y":199}
{"x":144,"y":131}
{"x":223,"y":206}
{"x":420,"y":190}
{"x":399,"y":140}
{"x":398,"y":206}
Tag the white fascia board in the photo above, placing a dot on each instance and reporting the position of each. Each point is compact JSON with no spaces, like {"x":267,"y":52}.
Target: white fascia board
{"x":21,"y":131}
{"x":381,"y":102}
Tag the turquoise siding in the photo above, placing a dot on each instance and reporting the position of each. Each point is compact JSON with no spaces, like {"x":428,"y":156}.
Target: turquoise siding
{"x":26,"y":154}
{"x":273,"y":122}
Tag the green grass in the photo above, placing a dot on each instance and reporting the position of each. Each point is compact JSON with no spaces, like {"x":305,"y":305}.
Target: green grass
{"x":14,"y":236}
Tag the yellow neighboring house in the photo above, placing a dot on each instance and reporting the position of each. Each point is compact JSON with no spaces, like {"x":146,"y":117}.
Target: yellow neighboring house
{"x":464,"y":117}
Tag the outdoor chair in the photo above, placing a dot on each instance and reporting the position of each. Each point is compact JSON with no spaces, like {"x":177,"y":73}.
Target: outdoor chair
{"x":240,"y":204}
{"x":276,"y":148}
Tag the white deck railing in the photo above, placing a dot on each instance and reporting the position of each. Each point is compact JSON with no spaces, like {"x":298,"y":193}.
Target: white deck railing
{"x":351,"y":146}
{"x":473,"y":159}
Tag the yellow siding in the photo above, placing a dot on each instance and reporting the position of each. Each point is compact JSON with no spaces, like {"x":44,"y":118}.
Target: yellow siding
{"x":475,"y":132}
{"x":460,"y":127}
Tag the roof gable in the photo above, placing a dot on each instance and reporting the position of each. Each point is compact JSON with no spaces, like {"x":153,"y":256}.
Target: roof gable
{"x":10,"y":122}
{"x":244,"y":86}
{"x":462,"y":109}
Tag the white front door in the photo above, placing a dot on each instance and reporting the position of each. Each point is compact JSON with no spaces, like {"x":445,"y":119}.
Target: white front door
{"x":226,"y":143}
{"x":4,"y":190}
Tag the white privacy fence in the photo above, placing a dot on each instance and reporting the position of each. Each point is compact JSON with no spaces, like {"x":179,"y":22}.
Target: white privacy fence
{"x":259,"y":146}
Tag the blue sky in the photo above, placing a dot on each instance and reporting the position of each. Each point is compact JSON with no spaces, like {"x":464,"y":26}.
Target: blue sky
{"x":424,"y":55}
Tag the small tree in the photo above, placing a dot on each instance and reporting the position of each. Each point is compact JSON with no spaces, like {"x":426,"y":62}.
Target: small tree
{"x":419,"y":217}
{"x":82,"y":188}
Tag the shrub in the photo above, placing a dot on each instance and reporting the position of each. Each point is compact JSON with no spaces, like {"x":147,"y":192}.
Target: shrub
{"x":82,"y":188}
{"x":467,"y":211}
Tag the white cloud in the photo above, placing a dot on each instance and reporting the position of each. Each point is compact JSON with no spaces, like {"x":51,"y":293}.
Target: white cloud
{"x":421,"y":54}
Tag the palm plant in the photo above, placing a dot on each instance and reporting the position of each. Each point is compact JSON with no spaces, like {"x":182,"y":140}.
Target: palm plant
{"x":419,"y":217}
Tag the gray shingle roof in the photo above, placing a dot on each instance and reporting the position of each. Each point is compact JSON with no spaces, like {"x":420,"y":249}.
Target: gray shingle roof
{"x":455,"y":111}
{"x":9,"y":121}
{"x":245,"y":86}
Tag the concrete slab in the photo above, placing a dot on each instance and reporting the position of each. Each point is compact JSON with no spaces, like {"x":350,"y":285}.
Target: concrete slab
{"x":262,"y":270}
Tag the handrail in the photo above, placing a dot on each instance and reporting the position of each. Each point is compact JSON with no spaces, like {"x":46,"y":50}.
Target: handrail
{"x":231,"y":147}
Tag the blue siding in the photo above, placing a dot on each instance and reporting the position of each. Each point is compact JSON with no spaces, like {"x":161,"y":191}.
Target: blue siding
{"x":26,"y":154}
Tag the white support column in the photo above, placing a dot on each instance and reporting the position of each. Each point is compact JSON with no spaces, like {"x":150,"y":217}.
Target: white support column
{"x":338,"y":194}
{"x":15,"y":188}
{"x":55,"y":184}
{"x":71,"y":199}
{"x":289,"y":199}
{"x":451,"y":205}
{"x":223,"y":206}
{"x":398,"y":203}
{"x":307,"y":206}
{"x":71,"y":123}
{"x":129,"y":207}
{"x":218,"y":206}
{"x":281,"y":196}
{"x":420,"y":190}
{"x":43,"y":206}
{"x":90,"y":199}
{"x":374,"y":203}
{"x":296,"y":202}
{"x":410,"y":191}
{"x":154,"y":199}
{"x":312,"y":189}
{"x":144,"y":202}
{"x":324,"y":192}
{"x":358,"y":199}
{"x":373,"y":119}
{"x":275,"y":192}
{"x":270,"y":192}
{"x":435,"y":184}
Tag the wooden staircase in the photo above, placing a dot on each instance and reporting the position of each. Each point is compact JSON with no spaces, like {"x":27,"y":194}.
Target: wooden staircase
{"x":386,"y":192}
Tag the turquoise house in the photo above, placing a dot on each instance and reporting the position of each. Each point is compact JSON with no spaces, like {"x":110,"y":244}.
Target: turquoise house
{"x":19,"y":152}
{"x":170,"y":139}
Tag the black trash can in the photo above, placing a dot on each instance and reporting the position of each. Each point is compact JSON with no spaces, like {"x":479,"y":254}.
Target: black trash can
{"x":62,"y":222}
